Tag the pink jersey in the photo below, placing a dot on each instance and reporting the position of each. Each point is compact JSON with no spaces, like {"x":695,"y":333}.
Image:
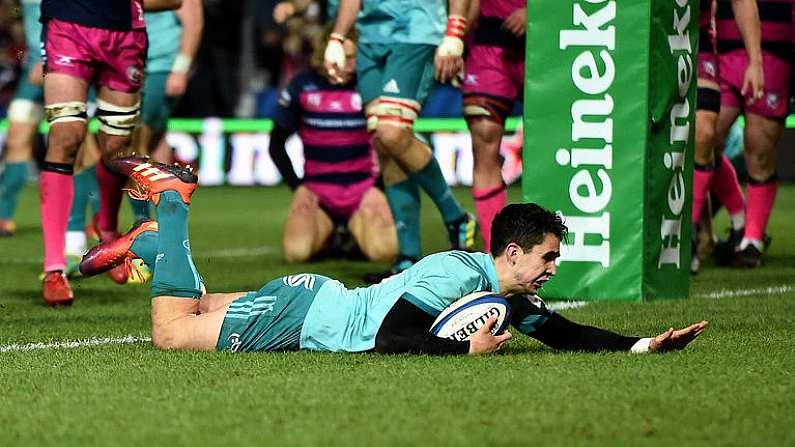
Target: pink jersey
{"x":776,"y":18}
{"x":500,"y":8}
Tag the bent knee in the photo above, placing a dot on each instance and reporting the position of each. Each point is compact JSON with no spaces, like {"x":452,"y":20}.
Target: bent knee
{"x":297,"y":250}
{"x":166,"y":338}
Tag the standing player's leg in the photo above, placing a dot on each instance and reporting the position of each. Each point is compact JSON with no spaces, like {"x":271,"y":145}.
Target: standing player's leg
{"x":86,"y":193}
{"x":373,"y":228}
{"x":307,"y":228}
{"x":761,"y":139}
{"x":24,"y":116}
{"x":401,"y":94}
{"x":494,"y":77}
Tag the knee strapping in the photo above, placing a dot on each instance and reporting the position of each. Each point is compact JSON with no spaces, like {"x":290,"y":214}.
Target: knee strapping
{"x":117,"y":120}
{"x":393,"y":112}
{"x":489,"y":107}
{"x":25,"y":111}
{"x":65,"y":112}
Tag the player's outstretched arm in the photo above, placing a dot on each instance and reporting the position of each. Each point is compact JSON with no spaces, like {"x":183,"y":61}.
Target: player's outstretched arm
{"x":559,"y":333}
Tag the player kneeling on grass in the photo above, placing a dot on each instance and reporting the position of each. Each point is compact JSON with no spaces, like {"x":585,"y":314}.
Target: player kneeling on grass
{"x":337,"y":197}
{"x":313,"y":312}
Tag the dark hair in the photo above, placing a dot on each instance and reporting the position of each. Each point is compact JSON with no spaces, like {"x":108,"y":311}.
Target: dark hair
{"x":525,"y":224}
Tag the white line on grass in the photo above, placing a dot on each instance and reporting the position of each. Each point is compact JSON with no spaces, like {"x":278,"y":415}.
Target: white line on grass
{"x":732,"y":293}
{"x":241,"y":252}
{"x":75,"y":343}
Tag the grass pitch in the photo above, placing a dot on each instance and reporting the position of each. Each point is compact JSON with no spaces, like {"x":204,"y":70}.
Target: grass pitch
{"x":733,"y":386}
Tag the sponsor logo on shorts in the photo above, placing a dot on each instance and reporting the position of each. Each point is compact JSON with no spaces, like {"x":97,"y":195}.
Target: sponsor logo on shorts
{"x":234,"y":342}
{"x":710,"y":69}
{"x":772,"y":100}
{"x":471,"y":79}
{"x":392,"y":87}
{"x":134,"y":74}
{"x":303,"y":279}
{"x":66,"y":61}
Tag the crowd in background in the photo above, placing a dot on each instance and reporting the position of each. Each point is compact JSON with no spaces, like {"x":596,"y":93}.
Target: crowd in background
{"x":244,"y":58}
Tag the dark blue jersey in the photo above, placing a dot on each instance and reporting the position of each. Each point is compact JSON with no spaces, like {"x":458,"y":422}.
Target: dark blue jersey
{"x":117,"y":15}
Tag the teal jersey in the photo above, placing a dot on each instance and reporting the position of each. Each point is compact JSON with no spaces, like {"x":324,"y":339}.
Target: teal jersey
{"x":31,"y":11}
{"x":402,"y":21}
{"x":347,"y":320}
{"x":165,"y":34}
{"x":331,"y":10}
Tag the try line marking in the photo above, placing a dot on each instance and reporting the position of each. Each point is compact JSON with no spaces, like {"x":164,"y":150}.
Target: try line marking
{"x":242,"y":252}
{"x":555,"y":305}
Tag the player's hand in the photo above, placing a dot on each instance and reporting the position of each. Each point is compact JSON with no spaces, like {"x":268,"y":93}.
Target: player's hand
{"x":674,"y":340}
{"x":753,"y":83}
{"x":449,"y":61}
{"x":482,"y":342}
{"x":334,"y":58}
{"x":283,"y":11}
{"x":516,"y":22}
{"x":176,"y":84}
{"x":36,"y":75}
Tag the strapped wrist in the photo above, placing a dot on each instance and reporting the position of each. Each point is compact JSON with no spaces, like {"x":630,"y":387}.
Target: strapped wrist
{"x":181,"y":63}
{"x":337,"y":37}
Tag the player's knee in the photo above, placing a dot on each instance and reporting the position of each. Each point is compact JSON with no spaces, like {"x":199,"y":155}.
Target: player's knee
{"x":297,"y":249}
{"x":165,"y":337}
{"x":117,"y":120}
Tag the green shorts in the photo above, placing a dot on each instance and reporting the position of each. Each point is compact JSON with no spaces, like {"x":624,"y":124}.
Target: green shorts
{"x":271,"y":318}
{"x":396,"y":70}
{"x":156,"y":107}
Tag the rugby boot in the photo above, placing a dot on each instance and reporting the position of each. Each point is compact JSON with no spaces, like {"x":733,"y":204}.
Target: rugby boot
{"x":57,"y":291}
{"x":151,"y":178}
{"x":724,"y":251}
{"x":748,"y":257}
{"x":116,"y":253}
{"x":7,"y":228}
{"x":462,"y":232}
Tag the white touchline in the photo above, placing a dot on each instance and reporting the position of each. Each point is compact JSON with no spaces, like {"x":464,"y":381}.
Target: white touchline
{"x":729,"y":293}
{"x":75,"y":343}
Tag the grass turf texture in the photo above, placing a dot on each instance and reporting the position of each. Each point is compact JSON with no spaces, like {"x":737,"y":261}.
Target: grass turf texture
{"x":733,"y":386}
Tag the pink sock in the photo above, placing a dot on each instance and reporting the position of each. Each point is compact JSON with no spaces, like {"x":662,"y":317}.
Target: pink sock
{"x":726,"y":187}
{"x":110,"y":194}
{"x":702,"y":177}
{"x":488,"y":202}
{"x":757,"y":211}
{"x":56,"y":191}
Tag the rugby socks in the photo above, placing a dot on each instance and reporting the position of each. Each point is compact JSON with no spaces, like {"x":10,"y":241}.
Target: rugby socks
{"x":145,"y":247}
{"x":110,"y":185}
{"x":404,"y":201}
{"x":488,"y":202}
{"x":174,"y":271}
{"x":702,"y":177}
{"x":140,"y":209}
{"x":56,"y":191}
{"x":11,"y":182}
{"x":86,"y":190}
{"x":727,"y":189}
{"x":432,"y":181}
{"x":761,"y":196}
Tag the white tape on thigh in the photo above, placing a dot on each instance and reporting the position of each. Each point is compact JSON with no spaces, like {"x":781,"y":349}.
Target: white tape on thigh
{"x":396,"y":111}
{"x":65,"y":112}
{"x":25,"y":111}
{"x":117,"y":120}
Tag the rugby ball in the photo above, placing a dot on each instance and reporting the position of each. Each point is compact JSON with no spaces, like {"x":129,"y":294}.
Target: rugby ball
{"x":464,"y":317}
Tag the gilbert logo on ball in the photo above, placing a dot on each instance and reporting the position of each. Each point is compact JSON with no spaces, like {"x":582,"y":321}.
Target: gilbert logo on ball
{"x":464,"y":317}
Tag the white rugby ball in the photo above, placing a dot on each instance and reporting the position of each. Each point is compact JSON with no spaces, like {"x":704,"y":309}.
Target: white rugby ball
{"x":464,"y":317}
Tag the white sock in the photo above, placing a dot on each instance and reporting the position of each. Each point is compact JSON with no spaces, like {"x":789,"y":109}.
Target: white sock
{"x":746,"y":242}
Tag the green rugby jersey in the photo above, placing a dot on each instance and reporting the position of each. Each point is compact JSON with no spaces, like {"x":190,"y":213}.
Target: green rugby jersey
{"x":402,"y":21}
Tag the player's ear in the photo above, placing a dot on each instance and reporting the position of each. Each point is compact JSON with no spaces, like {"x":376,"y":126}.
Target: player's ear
{"x":512,"y":252}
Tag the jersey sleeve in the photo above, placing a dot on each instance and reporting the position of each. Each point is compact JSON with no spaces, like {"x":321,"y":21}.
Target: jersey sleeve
{"x":445,"y":281}
{"x":528,"y":313}
{"x":288,"y":107}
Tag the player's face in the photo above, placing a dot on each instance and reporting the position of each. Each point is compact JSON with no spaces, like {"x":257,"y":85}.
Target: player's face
{"x":535,"y":267}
